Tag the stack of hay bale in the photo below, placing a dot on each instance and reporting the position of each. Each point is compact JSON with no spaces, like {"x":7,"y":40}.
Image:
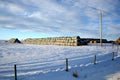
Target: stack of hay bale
{"x":117,"y":41}
{"x":63,"y":41}
{"x":14,"y":40}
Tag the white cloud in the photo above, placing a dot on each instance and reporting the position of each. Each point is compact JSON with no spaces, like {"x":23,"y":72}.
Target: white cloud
{"x":26,"y":30}
{"x":114,"y":29}
{"x":5,"y":18}
{"x":47,"y":5}
{"x":2,"y":5}
{"x":12,"y":7}
{"x":10,"y":26}
{"x":15,"y":8}
{"x":60,"y":17}
{"x":38,"y":15}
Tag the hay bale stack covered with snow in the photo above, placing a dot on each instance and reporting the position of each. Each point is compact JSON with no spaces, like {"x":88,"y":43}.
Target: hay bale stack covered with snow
{"x":14,"y":40}
{"x":63,"y":41}
{"x":117,"y":41}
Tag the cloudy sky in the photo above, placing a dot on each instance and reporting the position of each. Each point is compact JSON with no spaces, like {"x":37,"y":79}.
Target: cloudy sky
{"x":53,"y":18}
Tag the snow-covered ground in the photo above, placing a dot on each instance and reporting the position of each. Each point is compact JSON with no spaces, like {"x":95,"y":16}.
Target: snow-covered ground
{"x":47,"y":62}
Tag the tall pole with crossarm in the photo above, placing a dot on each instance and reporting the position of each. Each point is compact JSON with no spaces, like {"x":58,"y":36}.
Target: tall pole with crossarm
{"x":101,"y":28}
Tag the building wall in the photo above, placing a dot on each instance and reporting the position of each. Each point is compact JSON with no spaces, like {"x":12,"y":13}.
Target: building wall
{"x":63,"y":41}
{"x":93,"y":41}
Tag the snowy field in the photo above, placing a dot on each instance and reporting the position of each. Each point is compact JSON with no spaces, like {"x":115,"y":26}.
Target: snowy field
{"x":47,"y":62}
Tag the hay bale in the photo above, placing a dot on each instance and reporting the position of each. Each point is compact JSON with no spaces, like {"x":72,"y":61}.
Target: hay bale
{"x":14,"y":40}
{"x":65,"y":41}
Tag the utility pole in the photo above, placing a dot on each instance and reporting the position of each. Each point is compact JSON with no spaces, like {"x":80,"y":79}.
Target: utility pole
{"x":101,"y":28}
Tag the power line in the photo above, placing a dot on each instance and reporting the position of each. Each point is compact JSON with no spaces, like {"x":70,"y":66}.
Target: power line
{"x":110,"y":13}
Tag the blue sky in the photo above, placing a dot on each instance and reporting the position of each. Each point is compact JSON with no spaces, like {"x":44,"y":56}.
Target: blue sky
{"x":53,"y":18}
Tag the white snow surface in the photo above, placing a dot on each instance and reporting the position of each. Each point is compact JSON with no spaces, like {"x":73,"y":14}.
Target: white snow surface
{"x":47,"y":62}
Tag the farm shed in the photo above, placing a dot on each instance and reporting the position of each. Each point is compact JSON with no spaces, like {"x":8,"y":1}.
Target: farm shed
{"x":93,"y":41}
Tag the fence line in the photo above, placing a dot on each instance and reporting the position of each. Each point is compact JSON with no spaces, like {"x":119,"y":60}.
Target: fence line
{"x":67,"y":65}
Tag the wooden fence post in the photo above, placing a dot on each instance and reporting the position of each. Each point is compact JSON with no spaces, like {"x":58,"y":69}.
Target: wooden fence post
{"x":112,"y":56}
{"x":112,"y":45}
{"x":105,"y":45}
{"x":95,"y":59}
{"x":117,"y":48}
{"x":66,"y":64}
{"x":15,"y":72}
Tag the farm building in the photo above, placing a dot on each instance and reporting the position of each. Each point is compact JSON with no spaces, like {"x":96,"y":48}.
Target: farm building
{"x":14,"y":40}
{"x":63,"y":41}
{"x":93,"y":41}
